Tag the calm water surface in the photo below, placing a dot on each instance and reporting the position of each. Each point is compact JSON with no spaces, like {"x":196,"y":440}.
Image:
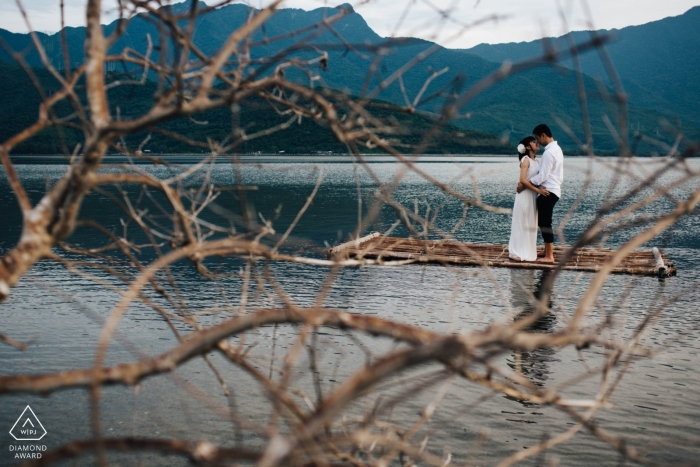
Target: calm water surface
{"x":656,"y":406}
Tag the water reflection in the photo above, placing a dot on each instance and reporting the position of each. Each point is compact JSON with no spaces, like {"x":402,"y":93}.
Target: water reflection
{"x":525,"y":288}
{"x":432,"y":297}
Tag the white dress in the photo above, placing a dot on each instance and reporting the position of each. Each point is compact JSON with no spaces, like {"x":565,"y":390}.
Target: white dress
{"x":523,"y":229}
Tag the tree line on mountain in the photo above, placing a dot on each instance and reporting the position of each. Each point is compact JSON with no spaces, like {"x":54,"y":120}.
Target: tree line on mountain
{"x":18,"y":110}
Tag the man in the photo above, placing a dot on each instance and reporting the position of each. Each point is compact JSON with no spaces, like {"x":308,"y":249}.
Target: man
{"x":550,"y":176}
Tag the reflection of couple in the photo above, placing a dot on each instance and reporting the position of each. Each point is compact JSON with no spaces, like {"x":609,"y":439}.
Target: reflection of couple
{"x":525,"y":289}
{"x":538,"y":191}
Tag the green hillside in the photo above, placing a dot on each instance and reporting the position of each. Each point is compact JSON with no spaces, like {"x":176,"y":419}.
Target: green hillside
{"x":19,"y":109}
{"x":658,"y":62}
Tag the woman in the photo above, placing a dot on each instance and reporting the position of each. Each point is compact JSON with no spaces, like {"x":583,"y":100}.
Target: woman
{"x":523,"y":231}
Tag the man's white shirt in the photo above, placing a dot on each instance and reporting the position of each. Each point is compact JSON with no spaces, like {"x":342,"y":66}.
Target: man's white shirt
{"x":551,"y":174}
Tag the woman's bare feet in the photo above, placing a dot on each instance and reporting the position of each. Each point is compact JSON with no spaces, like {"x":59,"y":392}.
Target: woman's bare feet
{"x":515,"y":258}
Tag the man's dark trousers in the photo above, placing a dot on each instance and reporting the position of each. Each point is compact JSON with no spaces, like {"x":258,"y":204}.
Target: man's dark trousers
{"x":545,"y":206}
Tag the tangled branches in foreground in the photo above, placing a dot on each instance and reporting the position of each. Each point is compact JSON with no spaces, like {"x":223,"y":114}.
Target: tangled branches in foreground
{"x":173,"y":214}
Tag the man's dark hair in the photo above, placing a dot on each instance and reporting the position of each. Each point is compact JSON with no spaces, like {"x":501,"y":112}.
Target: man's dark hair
{"x":542,"y":128}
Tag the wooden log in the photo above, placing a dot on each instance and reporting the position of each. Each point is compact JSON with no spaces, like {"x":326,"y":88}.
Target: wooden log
{"x":352,"y":243}
{"x":660,"y":267}
{"x":493,"y":262}
{"x":374,"y":246}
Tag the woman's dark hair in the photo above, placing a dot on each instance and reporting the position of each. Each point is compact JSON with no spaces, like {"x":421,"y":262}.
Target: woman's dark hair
{"x":525,"y":142}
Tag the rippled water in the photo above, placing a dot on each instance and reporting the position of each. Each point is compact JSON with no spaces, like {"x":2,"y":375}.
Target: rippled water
{"x":656,"y":406}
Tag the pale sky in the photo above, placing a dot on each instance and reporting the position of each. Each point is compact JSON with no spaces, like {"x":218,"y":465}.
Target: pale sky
{"x":520,"y":20}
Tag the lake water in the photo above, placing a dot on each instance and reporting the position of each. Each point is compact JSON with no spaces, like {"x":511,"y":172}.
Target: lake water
{"x":655,"y":408}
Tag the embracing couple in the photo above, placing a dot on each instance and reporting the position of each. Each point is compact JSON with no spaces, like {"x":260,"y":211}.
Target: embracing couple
{"x":539,"y":190}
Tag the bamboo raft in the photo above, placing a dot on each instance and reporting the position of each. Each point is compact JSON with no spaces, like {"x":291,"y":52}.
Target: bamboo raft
{"x":374,"y":246}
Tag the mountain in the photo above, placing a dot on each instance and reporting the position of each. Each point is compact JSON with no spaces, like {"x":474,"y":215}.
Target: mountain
{"x":510,"y":108}
{"x":18,"y":110}
{"x":658,"y":62}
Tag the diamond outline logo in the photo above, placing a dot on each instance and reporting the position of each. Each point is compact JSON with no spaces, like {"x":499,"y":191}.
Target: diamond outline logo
{"x":30,"y":422}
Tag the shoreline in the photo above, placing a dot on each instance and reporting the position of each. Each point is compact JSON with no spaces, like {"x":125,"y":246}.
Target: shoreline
{"x":22,"y":159}
{"x":193,"y":158}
